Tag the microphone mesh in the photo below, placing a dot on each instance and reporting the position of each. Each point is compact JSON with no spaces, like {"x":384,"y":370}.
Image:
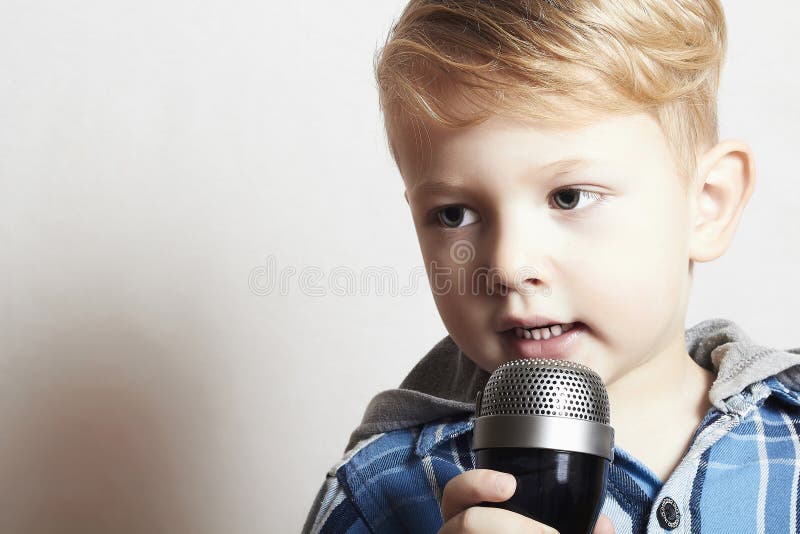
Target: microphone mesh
{"x":545,"y":387}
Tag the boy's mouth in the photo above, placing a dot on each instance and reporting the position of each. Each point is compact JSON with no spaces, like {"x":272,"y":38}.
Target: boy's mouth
{"x":552,"y":341}
{"x":544,"y":332}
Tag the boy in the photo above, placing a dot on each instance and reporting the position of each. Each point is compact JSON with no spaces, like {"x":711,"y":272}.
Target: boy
{"x":563,"y":171}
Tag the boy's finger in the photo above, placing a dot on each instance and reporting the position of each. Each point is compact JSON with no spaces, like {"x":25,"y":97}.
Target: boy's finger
{"x":493,"y":520}
{"x":475,"y":486}
{"x":603,"y":525}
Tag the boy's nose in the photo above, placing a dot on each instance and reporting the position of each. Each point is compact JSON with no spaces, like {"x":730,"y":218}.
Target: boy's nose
{"x":517,"y":262}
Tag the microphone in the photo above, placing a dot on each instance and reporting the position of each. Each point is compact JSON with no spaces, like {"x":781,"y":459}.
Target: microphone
{"x":547,"y":423}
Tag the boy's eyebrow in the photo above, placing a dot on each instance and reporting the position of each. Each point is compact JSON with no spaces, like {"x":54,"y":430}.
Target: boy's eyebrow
{"x":554,"y":168}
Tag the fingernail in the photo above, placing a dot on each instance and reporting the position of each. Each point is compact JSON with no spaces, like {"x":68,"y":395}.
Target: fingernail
{"x":505,"y":483}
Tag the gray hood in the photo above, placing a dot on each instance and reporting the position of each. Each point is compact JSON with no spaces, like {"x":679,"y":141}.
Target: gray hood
{"x":445,"y":381}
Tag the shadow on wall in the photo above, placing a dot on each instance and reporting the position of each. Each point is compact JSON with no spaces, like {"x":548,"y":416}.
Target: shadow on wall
{"x":103,"y":431}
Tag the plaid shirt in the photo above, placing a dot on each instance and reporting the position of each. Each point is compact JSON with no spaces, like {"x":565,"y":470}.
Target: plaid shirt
{"x":740,"y":475}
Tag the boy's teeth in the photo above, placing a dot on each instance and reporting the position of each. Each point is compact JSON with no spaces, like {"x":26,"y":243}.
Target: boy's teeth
{"x":543,"y":333}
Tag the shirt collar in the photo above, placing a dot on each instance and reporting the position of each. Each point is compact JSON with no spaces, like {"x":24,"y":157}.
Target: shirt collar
{"x":742,"y":367}
{"x":433,"y":434}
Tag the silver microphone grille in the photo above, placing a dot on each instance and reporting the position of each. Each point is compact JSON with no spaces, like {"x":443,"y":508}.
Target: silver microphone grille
{"x":545,"y":387}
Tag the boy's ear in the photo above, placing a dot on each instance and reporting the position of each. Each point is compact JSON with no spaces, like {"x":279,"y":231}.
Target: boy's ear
{"x":725,"y":181}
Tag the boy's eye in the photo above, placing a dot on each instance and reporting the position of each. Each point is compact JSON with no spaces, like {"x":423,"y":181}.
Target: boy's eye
{"x":568,"y":198}
{"x":453,"y":216}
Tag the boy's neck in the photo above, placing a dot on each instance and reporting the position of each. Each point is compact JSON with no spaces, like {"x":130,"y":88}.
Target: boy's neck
{"x":656,"y":409}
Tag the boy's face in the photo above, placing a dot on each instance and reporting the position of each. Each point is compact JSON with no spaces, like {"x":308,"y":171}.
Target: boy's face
{"x":614,"y":257}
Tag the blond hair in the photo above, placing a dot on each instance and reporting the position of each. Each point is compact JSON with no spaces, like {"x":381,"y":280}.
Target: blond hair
{"x":559,"y":61}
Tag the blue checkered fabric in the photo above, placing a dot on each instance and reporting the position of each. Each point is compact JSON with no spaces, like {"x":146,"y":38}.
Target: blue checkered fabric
{"x":740,"y":475}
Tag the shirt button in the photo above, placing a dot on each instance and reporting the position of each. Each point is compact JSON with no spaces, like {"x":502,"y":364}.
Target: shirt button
{"x":668,"y":514}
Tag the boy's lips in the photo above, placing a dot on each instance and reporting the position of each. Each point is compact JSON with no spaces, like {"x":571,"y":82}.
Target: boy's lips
{"x":534,"y":321}
{"x":557,"y":347}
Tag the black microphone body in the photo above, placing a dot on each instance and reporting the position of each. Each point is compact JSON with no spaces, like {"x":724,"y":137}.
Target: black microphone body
{"x":562,"y":489}
{"x":546,"y":423}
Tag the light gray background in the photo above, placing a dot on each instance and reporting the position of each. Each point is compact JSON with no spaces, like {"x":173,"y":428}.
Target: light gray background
{"x":155,"y":155}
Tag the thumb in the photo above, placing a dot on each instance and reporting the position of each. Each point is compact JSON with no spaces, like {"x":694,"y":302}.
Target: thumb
{"x":603,"y":525}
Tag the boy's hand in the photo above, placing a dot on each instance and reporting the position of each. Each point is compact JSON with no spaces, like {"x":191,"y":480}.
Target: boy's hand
{"x":464,"y":492}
